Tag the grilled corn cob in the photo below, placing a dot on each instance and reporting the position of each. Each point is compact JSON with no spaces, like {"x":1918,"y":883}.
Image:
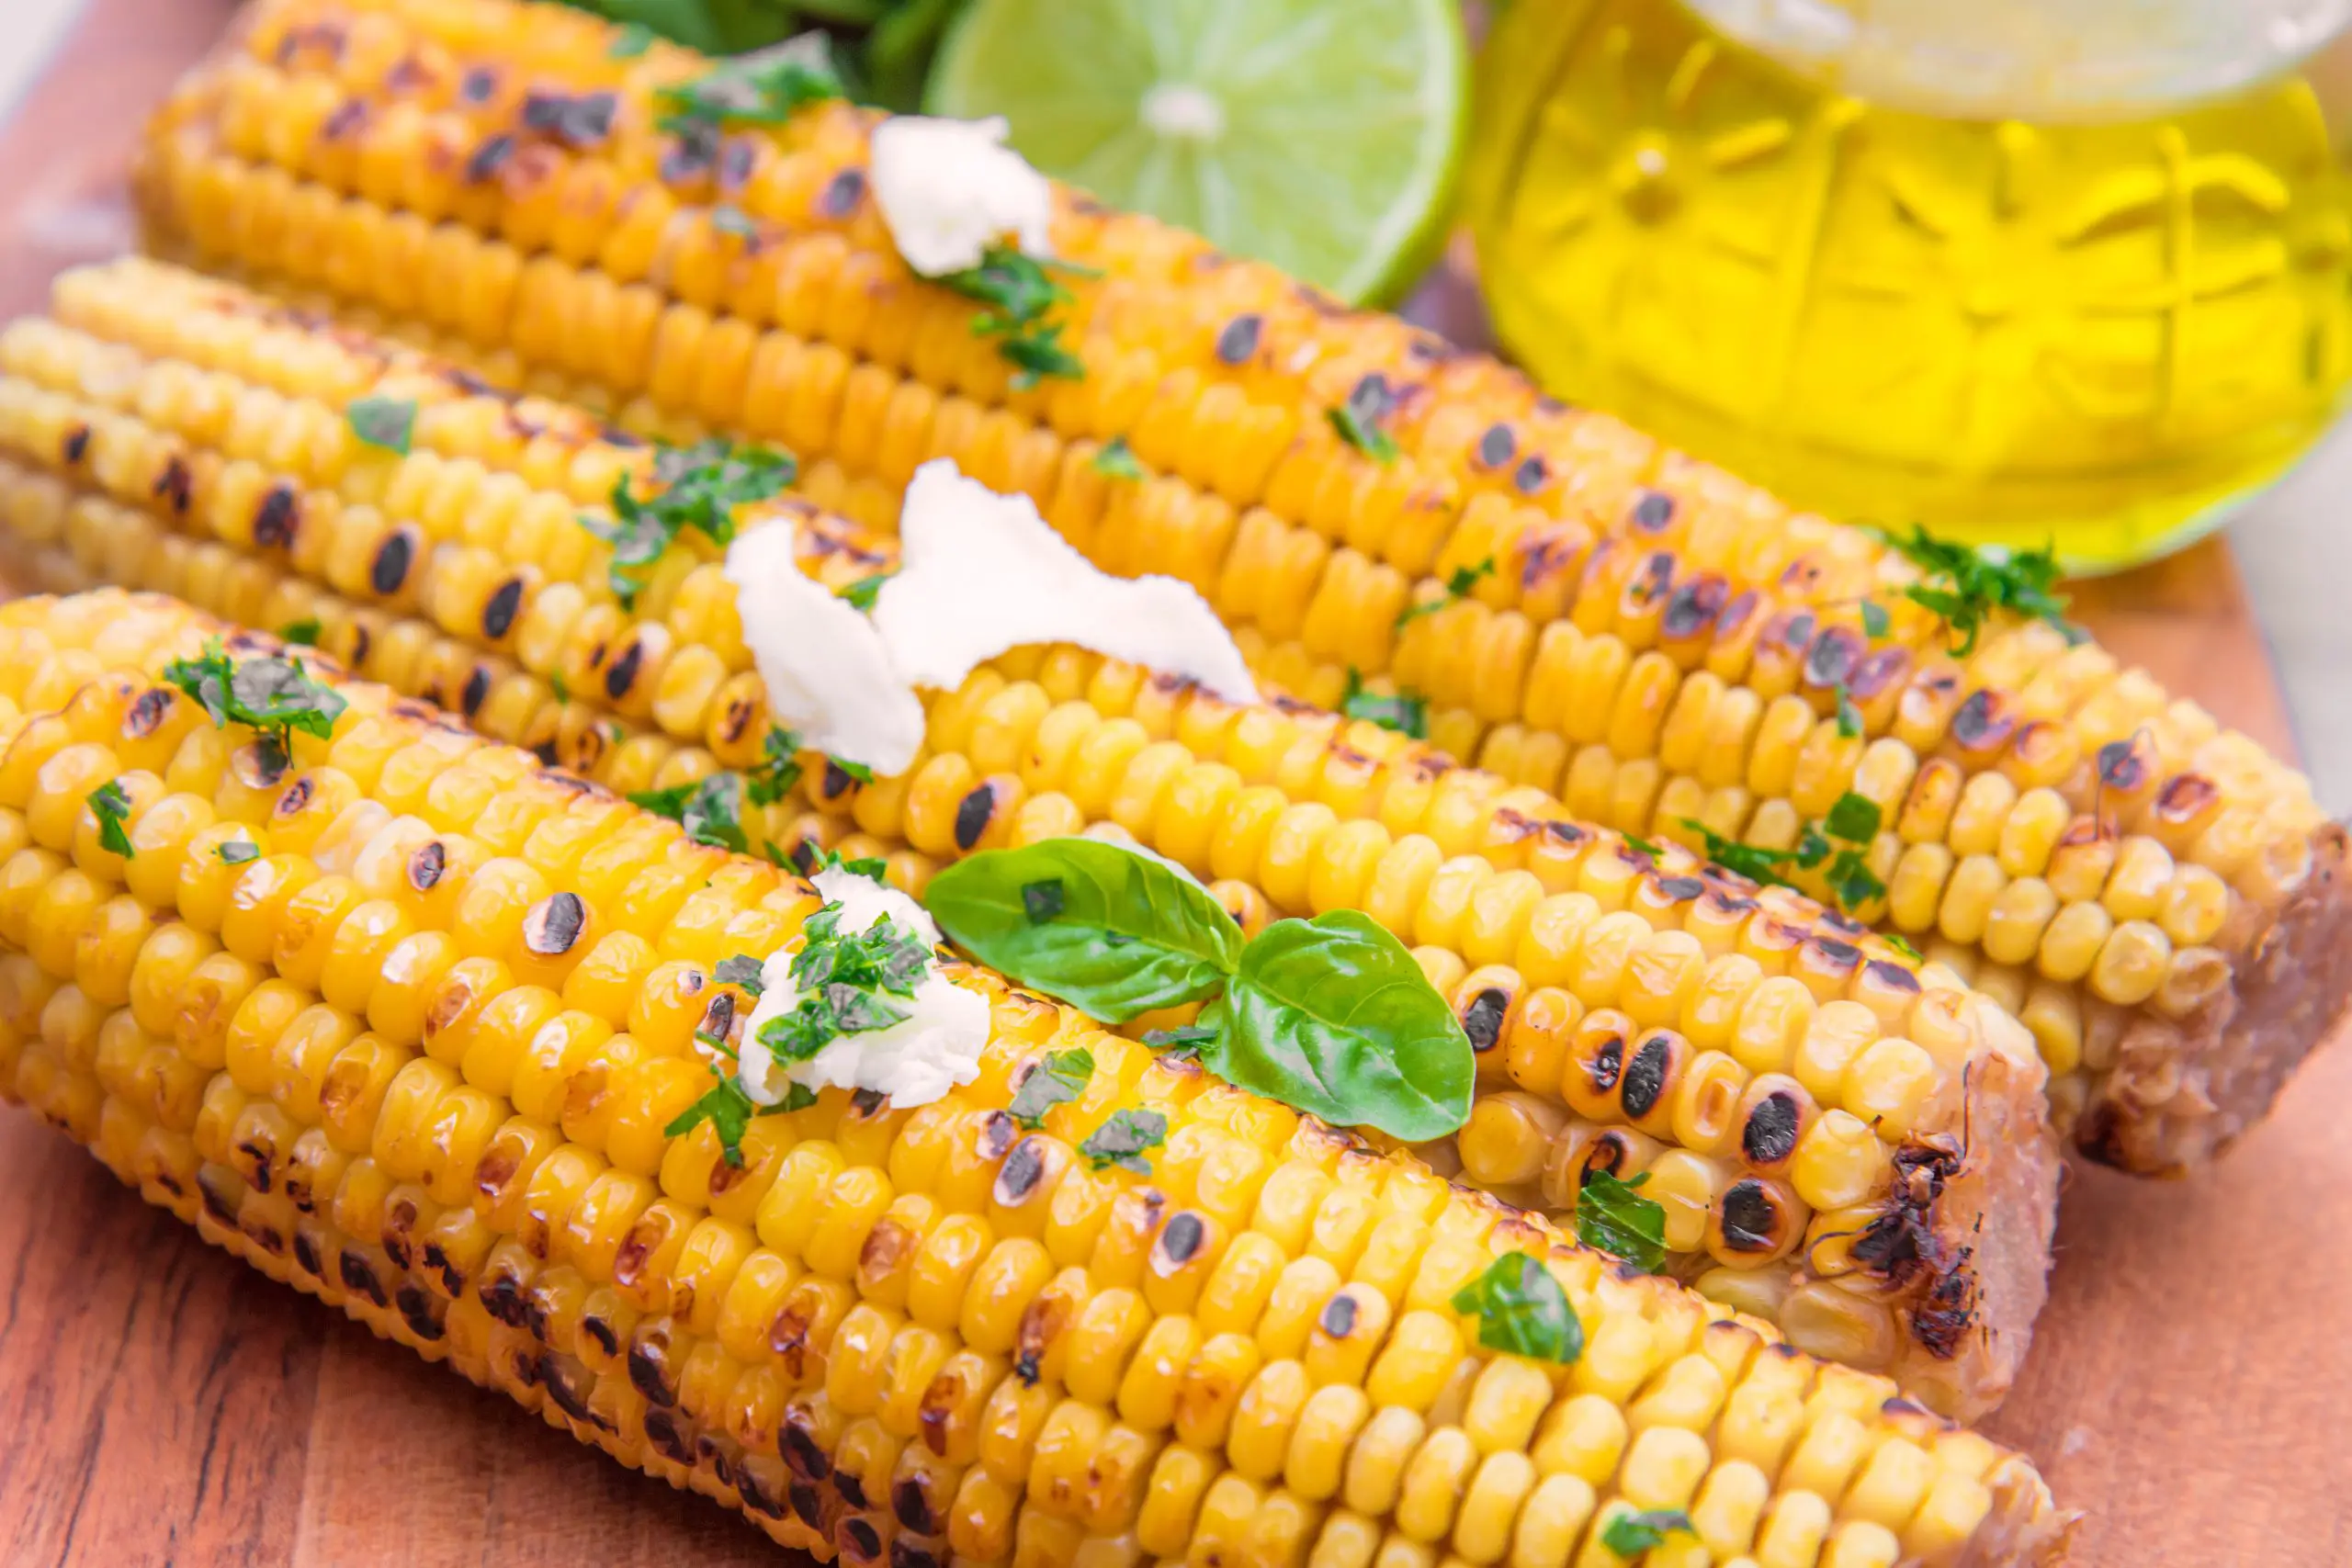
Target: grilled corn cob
{"x":1654,"y":642}
{"x":1844,"y":1143}
{"x":414,"y":1051}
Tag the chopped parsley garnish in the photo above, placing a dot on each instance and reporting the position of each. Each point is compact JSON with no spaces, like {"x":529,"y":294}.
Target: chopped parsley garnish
{"x":272,"y":694}
{"x":561,"y":687}
{"x":1640,"y":845}
{"x":1360,"y":421}
{"x":629,"y":40}
{"x":1124,"y":1139}
{"x":846,"y":983}
{"x":763,"y":88}
{"x":1967,"y":586}
{"x":862,"y":594}
{"x":1850,"y":717}
{"x":1057,"y":1080}
{"x":1522,"y":1311}
{"x":304,"y":633}
{"x":729,"y":1112}
{"x":770,"y":779}
{"x":711,"y":810}
{"x":1405,"y":713}
{"x":1614,"y":1218}
{"x":1459,"y":584}
{"x":1630,"y":1535}
{"x":388,"y":422}
{"x":1753,"y":861}
{"x":237,"y":852}
{"x":1844,"y":839}
{"x":1854,"y":819}
{"x":112,"y":808}
{"x":698,"y":487}
{"x":1019,"y":295}
{"x":1838,"y":845}
{"x":740,"y":970}
{"x":1902,"y":945}
{"x":1116,"y":460}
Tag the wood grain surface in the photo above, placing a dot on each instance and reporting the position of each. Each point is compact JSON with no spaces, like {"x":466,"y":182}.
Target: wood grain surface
{"x":2188,"y":1388}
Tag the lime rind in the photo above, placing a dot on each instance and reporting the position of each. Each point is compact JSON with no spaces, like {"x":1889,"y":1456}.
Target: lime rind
{"x":1323,"y":136}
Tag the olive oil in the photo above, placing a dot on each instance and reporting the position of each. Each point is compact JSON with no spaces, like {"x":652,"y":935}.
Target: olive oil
{"x":2104,"y":330}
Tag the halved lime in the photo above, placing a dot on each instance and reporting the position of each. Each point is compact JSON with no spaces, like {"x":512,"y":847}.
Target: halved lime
{"x":1320,"y":135}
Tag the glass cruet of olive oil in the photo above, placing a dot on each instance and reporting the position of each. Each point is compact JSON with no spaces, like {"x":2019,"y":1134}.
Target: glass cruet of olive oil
{"x":2025,"y":271}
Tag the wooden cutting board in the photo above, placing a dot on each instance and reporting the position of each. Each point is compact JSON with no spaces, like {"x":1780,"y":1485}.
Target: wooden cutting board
{"x":2189,"y":1387}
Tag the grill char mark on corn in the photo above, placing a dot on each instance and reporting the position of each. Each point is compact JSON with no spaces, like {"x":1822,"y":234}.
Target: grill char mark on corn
{"x":1089,"y":1436}
{"x":1528,"y":922}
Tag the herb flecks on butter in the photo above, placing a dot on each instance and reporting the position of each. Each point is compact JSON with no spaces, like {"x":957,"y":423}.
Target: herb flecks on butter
{"x":862,"y":1004}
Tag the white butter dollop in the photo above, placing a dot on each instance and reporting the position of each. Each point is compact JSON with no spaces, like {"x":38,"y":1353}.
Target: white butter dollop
{"x":823,"y":664}
{"x":950,"y":188}
{"x":915,"y":1061}
{"x":983,"y":573}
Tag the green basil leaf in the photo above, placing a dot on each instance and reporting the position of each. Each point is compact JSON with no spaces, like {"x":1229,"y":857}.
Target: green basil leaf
{"x":1332,"y":1015}
{"x":1614,"y":1218}
{"x":1522,"y":1311}
{"x":1123,"y":934}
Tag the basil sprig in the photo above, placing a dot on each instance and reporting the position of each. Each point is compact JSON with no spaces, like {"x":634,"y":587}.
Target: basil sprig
{"x":1336,"y":1012}
{"x":1329,"y":1016}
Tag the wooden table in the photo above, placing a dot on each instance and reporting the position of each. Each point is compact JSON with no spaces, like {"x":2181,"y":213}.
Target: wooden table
{"x":2188,"y":1387}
